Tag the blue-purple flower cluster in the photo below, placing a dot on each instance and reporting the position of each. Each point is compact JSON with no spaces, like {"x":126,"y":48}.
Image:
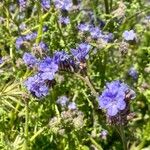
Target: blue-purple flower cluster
{"x":133,"y":73}
{"x":45,"y":4}
{"x":72,"y":106}
{"x":29,"y":59}
{"x":84,"y":27}
{"x":22,"y":3}
{"x":22,"y":39}
{"x":38,"y":84}
{"x":81,"y":52}
{"x":1,"y":60}
{"x":47,"y":69}
{"x":64,"y":101}
{"x":61,"y":56}
{"x":64,"y":20}
{"x":114,"y":98}
{"x":63,"y":4}
{"x":95,"y":32}
{"x":49,"y":66}
{"x":104,"y":134}
{"x":129,"y":35}
{"x":40,"y":48}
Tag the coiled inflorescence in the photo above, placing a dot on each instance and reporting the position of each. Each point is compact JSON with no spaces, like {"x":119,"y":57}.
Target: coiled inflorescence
{"x":47,"y":68}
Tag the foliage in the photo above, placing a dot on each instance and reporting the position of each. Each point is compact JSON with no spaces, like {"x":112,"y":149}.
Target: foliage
{"x":97,"y":43}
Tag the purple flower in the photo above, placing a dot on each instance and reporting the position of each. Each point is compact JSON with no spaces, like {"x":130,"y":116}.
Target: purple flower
{"x":84,"y":27}
{"x":43,"y":46}
{"x":22,"y":3}
{"x":147,"y":18}
{"x":63,"y":4}
{"x":104,"y":134}
{"x":45,"y":28}
{"x":1,"y":60}
{"x":107,"y":37}
{"x":64,"y":20}
{"x":30,"y":36}
{"x":81,"y":52}
{"x":95,"y":32}
{"x":129,"y":35}
{"x":72,"y":106}
{"x":36,"y":86}
{"x":133,"y":73}
{"x":64,"y":61}
{"x":29,"y":59}
{"x":19,"y":42}
{"x":62,"y":100}
{"x":45,"y":4}
{"x":47,"y":68}
{"x":22,"y":26}
{"x":113,"y":98}
{"x":60,"y":56}
{"x":101,"y":23}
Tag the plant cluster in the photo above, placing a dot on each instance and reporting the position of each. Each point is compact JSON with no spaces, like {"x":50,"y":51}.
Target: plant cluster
{"x":74,"y":74}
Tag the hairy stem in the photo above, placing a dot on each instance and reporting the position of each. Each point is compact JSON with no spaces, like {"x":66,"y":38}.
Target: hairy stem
{"x":88,"y":83}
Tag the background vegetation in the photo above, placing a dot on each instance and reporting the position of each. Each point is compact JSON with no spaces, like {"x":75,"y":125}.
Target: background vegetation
{"x":27,"y":122}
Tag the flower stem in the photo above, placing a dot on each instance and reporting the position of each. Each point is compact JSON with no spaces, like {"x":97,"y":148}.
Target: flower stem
{"x":61,"y":34}
{"x":95,"y":144}
{"x":123,"y":138}
{"x":88,"y":83}
{"x":40,"y":29}
{"x":87,"y":80}
{"x":106,"y":6}
{"x":37,"y":133}
{"x":26,"y":144}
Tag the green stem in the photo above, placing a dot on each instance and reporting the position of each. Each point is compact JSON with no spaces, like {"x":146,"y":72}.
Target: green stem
{"x":26,"y":144}
{"x":106,"y":6}
{"x":40,"y":30}
{"x":61,"y":33}
{"x":12,"y":54}
{"x":111,"y":4}
{"x":13,"y":116}
{"x":145,"y":10}
{"x":88,"y":83}
{"x":94,"y":5}
{"x":95,"y":144}
{"x":87,"y":80}
{"x":123,"y":138}
{"x":37,"y":26}
{"x":41,"y":20}
{"x":37,"y":133}
{"x":104,"y":63}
